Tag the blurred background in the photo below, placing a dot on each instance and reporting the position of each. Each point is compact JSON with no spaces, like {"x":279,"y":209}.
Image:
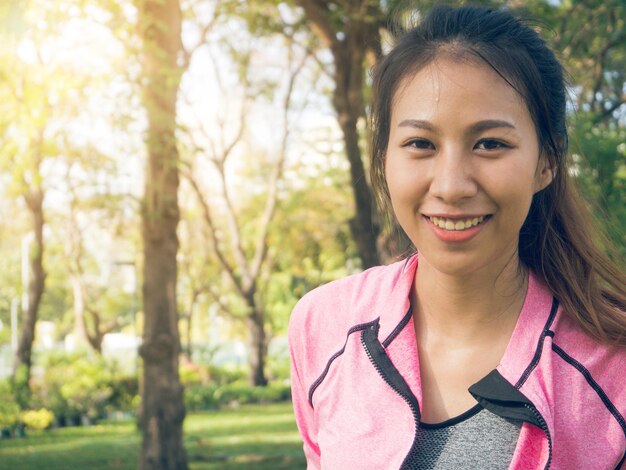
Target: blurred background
{"x":174,"y":176}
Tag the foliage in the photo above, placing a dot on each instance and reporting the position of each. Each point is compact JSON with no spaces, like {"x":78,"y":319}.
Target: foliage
{"x":200,"y":397}
{"x":37,"y":420}
{"x":20,"y":386}
{"x":210,"y":387}
{"x":222,"y":375}
{"x":240,"y":393}
{"x":590,"y":40}
{"x":601,"y":164}
{"x":124,"y":394}
{"x":278,"y":367}
{"x":202,"y":373}
{"x":74,"y":385}
{"x":12,"y":416}
{"x":191,"y":373}
{"x":9,"y":408}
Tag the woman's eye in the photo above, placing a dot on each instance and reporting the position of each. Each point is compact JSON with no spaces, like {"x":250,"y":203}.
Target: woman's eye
{"x":419,"y":144}
{"x":491,"y":144}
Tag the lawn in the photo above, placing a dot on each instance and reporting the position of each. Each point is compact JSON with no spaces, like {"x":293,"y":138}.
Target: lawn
{"x":249,"y":437}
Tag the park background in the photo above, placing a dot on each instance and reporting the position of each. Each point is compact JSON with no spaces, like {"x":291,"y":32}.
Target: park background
{"x":174,"y":175}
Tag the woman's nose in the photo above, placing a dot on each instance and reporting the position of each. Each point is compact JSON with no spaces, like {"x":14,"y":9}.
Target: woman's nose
{"x":453,"y":179}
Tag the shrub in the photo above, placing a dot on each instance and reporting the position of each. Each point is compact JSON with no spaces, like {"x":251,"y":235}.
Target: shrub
{"x":209,"y":397}
{"x":73,"y":386}
{"x":20,"y":387}
{"x":278,"y":367}
{"x":274,"y":392}
{"x":37,"y":419}
{"x":223,"y":375}
{"x":242,"y":393}
{"x":235,"y":393}
{"x":200,"y":397}
{"x":191,"y":373}
{"x":9,"y":408}
{"x":124,"y":394}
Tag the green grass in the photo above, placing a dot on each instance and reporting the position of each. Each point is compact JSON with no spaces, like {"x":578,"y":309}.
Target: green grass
{"x":250,"y":437}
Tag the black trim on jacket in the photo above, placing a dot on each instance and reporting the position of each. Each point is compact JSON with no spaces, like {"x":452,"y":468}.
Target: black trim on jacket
{"x":321,"y":378}
{"x":455,"y":420}
{"x":546,"y":331}
{"x":379,"y":359}
{"x":593,"y":384}
{"x":396,"y":331}
{"x":497,"y":395}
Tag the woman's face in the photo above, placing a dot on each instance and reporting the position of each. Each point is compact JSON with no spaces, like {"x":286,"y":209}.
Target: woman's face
{"x":462,"y":165}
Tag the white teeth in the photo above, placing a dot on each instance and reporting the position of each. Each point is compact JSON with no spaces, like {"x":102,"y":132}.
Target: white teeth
{"x":449,"y":224}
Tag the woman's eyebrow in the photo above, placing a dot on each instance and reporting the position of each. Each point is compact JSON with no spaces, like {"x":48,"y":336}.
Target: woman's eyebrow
{"x":417,"y":124}
{"x":487,"y":124}
{"x":475,"y":128}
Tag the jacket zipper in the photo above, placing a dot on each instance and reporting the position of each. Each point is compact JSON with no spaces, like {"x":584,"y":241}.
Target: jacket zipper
{"x":544,"y":428}
{"x":408,"y":462}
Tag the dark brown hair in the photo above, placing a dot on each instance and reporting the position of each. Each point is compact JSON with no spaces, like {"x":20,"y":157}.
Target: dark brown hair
{"x":558,"y":240}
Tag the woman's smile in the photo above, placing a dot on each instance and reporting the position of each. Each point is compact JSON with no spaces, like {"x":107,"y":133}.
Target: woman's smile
{"x":456,"y":223}
{"x":457,"y":230}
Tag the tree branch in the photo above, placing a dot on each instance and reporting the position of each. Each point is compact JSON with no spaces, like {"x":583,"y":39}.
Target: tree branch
{"x":601,"y":63}
{"x":208,"y":218}
{"x":318,"y":15}
{"x":270,"y":205}
{"x":202,"y":40}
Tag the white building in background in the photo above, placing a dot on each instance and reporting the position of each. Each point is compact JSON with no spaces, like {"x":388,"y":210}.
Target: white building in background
{"x":123,"y":348}
{"x":44,"y":335}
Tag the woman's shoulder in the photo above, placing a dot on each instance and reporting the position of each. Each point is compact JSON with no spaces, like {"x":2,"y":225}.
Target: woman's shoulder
{"x":343,"y":303}
{"x":600,"y":364}
{"x":354,"y":289}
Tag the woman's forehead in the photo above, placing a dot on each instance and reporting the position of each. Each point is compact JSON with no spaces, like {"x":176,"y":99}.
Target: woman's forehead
{"x":468,"y":87}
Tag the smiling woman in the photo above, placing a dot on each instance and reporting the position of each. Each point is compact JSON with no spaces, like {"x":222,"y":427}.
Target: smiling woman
{"x":462,"y":149}
{"x":501,"y":342}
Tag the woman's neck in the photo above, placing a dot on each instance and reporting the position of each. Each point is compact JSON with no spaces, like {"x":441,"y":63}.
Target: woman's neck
{"x":465,"y":310}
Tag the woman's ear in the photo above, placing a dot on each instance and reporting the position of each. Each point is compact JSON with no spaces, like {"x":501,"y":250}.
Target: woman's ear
{"x":546,"y":170}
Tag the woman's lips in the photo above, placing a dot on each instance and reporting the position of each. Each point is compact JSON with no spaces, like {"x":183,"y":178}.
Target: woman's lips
{"x":458,"y":228}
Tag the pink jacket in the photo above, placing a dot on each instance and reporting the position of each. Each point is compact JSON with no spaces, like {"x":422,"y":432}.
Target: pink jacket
{"x":356,"y":382}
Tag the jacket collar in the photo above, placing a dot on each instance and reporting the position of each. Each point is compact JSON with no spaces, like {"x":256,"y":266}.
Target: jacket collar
{"x":393,"y":314}
{"x":533,"y":324}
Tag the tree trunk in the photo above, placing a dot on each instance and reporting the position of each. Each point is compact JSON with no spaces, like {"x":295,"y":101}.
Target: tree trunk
{"x":348,"y":102}
{"x":349,"y":42}
{"x":162,"y":411}
{"x":36,"y":283}
{"x":258,"y":347}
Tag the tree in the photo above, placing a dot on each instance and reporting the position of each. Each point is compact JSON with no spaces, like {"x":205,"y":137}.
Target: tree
{"x":244,"y":258}
{"x":28,"y":136}
{"x":161,"y":412}
{"x":93,"y":317}
{"x":590,"y":38}
{"x":351,"y":31}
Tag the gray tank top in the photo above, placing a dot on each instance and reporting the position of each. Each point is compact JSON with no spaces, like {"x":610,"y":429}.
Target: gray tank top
{"x":477,"y":439}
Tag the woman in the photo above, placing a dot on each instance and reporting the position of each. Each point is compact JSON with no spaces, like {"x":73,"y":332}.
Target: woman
{"x":501,"y":344}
